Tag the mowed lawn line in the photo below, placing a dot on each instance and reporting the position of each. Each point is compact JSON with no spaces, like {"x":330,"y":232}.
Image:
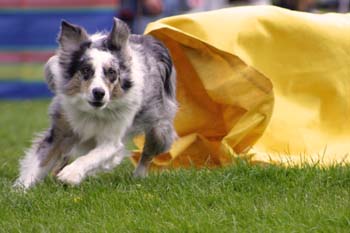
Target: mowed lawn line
{"x":239,"y":198}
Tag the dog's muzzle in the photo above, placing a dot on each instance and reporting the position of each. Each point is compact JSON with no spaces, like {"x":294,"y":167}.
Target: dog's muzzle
{"x":96,"y":104}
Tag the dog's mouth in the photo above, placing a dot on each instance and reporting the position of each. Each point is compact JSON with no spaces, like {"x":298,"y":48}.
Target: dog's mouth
{"x":96,"y":104}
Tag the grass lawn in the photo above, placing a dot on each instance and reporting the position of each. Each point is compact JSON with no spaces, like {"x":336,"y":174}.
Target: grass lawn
{"x":239,"y":198}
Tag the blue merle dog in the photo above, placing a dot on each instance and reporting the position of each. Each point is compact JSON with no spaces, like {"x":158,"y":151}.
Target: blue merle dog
{"x":108,"y":88}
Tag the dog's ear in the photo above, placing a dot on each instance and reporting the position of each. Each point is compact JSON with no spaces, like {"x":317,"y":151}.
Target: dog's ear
{"x":71,"y":36}
{"x":119,"y":35}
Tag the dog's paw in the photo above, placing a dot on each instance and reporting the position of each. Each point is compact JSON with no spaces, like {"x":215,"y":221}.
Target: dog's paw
{"x":71,"y":174}
{"x":140,"y":171}
{"x":23,"y":183}
{"x":20,"y":186}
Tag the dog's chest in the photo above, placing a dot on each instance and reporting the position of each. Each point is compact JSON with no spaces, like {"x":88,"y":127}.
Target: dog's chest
{"x":92,"y":127}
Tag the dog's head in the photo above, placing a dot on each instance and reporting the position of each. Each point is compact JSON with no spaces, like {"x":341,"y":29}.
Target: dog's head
{"x":95,"y":69}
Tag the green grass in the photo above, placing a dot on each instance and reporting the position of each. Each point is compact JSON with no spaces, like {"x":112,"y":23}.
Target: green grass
{"x":239,"y":198}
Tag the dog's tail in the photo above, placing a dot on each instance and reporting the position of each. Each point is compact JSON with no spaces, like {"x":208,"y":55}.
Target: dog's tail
{"x":168,"y":73}
{"x":170,"y":83}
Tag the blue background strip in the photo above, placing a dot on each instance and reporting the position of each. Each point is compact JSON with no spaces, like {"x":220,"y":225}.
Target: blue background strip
{"x":21,"y":90}
{"x":23,"y":29}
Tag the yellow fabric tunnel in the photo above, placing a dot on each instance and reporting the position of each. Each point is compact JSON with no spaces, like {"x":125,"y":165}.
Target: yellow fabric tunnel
{"x":263,"y":83}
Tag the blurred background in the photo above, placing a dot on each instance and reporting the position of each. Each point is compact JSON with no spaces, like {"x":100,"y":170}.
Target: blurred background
{"x":28,"y":29}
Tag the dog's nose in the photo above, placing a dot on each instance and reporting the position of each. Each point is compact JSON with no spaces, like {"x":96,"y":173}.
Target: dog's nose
{"x":98,"y":93}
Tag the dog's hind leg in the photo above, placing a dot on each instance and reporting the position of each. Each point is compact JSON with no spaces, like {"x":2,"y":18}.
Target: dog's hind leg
{"x":158,"y":140}
{"x":40,"y":159}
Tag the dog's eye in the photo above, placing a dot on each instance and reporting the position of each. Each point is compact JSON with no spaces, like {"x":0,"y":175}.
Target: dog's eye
{"x":111,"y":71}
{"x":85,"y":71}
{"x":111,"y":74}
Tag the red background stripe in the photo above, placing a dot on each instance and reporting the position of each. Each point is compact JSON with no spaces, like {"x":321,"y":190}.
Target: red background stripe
{"x":28,"y":56}
{"x":56,"y":3}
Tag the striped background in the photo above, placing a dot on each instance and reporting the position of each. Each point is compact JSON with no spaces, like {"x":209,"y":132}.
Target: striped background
{"x":28,"y":31}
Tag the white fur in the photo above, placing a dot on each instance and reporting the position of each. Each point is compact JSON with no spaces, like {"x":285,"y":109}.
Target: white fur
{"x":89,"y":163}
{"x":31,"y":171}
{"x":97,"y":36}
{"x":54,"y":67}
{"x":99,"y":59}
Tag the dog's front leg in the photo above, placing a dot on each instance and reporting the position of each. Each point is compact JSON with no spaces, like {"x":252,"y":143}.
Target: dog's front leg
{"x":88,"y":164}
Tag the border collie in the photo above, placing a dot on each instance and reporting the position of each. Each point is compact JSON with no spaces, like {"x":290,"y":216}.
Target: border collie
{"x":108,"y":88}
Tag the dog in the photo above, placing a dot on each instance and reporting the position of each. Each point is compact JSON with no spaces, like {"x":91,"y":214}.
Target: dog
{"x":108,"y":88}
